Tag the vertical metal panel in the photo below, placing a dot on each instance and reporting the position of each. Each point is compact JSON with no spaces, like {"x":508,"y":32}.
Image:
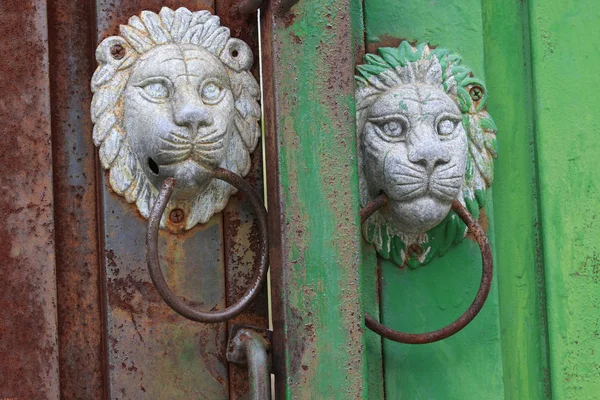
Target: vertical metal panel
{"x":519,"y":260}
{"x":430,"y":297}
{"x":28,"y":337}
{"x":151,"y":351}
{"x":71,"y":46}
{"x":313,"y":201}
{"x":370,"y":270}
{"x":565,"y":56}
{"x":239,"y":225}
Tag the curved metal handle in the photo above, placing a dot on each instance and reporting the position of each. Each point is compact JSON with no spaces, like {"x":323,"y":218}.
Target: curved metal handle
{"x":154,"y":264}
{"x":476,"y":305}
{"x":249,"y":348}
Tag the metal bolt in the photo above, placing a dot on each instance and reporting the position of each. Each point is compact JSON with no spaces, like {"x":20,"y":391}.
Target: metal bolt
{"x":177,"y":215}
{"x":476,"y":93}
{"x":415,"y":250}
{"x":117,"y":51}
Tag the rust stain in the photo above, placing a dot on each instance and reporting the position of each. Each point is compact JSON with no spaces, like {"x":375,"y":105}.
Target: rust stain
{"x":482,"y":221}
{"x":28,"y":328}
{"x":78,"y":274}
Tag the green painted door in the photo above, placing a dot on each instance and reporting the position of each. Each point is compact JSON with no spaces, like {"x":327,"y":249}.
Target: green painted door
{"x":537,"y":335}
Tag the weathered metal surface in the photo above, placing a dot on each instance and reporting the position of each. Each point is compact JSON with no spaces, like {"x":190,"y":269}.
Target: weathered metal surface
{"x":470,"y":361}
{"x":313,"y":201}
{"x":249,"y":348}
{"x":74,"y":169}
{"x":247,"y":7}
{"x":152,"y":256}
{"x":565,"y":88}
{"x":476,"y":305}
{"x":177,"y":101}
{"x":151,"y":351}
{"x":28,"y":321}
{"x":240,"y":227}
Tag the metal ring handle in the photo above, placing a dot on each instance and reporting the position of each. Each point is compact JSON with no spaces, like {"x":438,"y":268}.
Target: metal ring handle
{"x":476,"y":305}
{"x":154,"y":264}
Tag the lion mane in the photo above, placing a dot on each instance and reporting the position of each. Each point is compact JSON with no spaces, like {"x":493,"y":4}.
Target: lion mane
{"x":116,"y":56}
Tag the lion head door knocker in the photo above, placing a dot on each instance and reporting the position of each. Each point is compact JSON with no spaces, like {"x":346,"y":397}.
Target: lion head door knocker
{"x":425,"y":148}
{"x":425,"y":140}
{"x":175,"y":113}
{"x":174,"y":98}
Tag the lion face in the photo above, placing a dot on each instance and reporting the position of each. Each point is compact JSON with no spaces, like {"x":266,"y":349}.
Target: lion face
{"x":415,"y":151}
{"x":178,"y":114}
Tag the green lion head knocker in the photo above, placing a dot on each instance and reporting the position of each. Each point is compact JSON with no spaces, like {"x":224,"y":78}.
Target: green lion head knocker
{"x":424,"y":140}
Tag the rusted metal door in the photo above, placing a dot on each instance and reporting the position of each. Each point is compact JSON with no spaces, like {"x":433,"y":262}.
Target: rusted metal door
{"x":80,"y":317}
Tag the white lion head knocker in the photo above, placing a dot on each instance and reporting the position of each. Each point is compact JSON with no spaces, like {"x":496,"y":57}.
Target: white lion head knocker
{"x":424,"y":140}
{"x":174,"y":97}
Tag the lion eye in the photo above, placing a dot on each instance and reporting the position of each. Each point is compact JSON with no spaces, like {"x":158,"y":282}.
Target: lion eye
{"x":211,"y":93}
{"x":393,"y":129}
{"x":156,"y":90}
{"x":446,"y":127}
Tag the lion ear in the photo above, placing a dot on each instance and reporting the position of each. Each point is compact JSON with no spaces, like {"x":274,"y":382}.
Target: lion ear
{"x":237,"y":55}
{"x":113,"y":54}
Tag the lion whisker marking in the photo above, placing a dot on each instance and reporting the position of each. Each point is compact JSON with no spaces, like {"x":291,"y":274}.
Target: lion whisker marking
{"x":180,"y":136}
{"x":404,"y":174}
{"x":411,"y":168}
{"x":175,"y":154}
{"x":444,"y":190}
{"x":209,"y":137}
{"x":446,"y":169}
{"x":409,"y":184}
{"x":442,"y":194}
{"x":404,"y":195}
{"x":204,"y":144}
{"x":178,"y":146}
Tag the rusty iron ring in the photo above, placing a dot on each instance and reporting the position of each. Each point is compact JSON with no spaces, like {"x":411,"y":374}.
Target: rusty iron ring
{"x":476,"y":305}
{"x":154,"y":264}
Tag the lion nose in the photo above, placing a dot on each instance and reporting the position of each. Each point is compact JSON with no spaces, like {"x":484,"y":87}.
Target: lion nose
{"x":190,"y":111}
{"x":426,"y":149}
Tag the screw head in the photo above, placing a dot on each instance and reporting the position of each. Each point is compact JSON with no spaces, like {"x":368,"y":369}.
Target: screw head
{"x":415,"y":250}
{"x":177,"y":215}
{"x":117,"y":51}
{"x":476,"y":93}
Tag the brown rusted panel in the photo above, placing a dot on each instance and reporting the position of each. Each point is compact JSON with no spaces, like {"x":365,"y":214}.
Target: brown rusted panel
{"x":78,"y":275}
{"x":239,"y":225}
{"x":28,"y":338}
{"x":112,"y":13}
{"x":153,"y":353}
